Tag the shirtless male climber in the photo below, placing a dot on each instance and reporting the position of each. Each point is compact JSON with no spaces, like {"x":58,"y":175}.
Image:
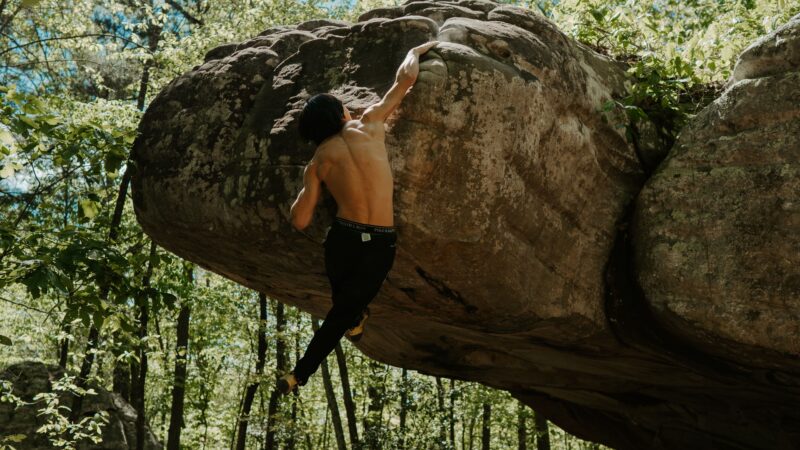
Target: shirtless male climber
{"x":351,"y":160}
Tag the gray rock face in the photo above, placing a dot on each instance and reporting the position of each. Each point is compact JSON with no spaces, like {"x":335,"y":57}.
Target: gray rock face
{"x":717,"y":227}
{"x":773,"y":54}
{"x":513,"y":196}
{"x":30,"y":378}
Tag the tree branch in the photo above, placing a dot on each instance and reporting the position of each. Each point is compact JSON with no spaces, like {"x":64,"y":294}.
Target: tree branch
{"x":32,"y":308}
{"x":77,"y":36}
{"x":185,"y":13}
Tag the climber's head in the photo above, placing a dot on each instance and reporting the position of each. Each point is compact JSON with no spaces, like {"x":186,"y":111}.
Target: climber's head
{"x":323,"y":116}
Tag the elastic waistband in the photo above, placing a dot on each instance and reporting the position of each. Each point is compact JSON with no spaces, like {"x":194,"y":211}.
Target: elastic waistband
{"x":363,"y":227}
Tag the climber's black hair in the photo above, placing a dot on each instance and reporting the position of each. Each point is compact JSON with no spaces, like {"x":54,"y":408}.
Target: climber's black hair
{"x":321,"y":117}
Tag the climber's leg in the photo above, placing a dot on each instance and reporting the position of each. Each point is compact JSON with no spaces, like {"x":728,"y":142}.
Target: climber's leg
{"x":356,"y":265}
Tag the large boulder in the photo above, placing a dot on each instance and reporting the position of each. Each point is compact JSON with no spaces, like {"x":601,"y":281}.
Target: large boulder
{"x":29,"y":378}
{"x":716,"y":236}
{"x":717,"y":226}
{"x":513,"y":193}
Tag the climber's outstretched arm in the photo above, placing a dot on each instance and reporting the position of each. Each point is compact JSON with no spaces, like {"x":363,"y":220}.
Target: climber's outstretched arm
{"x":405,"y":78}
{"x":302,"y":210}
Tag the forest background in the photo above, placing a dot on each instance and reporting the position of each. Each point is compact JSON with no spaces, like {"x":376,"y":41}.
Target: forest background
{"x":85,"y":288}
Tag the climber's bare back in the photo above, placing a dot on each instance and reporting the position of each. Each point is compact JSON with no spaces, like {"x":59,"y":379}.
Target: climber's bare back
{"x":353,"y":163}
{"x":354,"y":166}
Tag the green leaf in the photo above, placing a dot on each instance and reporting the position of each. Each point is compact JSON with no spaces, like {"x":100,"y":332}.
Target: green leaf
{"x":7,"y":139}
{"x":113,"y":160}
{"x":5,"y":340}
{"x":98,"y":318}
{"x":89,"y":208}
{"x":27,"y":120}
{"x":51,"y":120}
{"x":7,"y":171}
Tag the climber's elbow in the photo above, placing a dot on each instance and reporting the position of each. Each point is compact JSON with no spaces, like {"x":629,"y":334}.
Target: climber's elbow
{"x":300,"y":223}
{"x":299,"y":220}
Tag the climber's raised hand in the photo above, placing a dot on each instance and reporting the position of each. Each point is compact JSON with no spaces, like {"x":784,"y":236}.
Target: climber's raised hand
{"x":406,"y":76}
{"x":409,"y":69}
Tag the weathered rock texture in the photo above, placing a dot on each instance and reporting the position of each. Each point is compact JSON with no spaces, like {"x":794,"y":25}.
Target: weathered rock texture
{"x":513,"y":197}
{"x":30,"y":378}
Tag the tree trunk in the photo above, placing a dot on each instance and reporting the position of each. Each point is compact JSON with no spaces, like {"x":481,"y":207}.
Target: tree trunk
{"x":139,"y":378}
{"x":522,"y":429}
{"x":179,"y":380}
{"x":452,"y":414}
{"x":331,"y":396}
{"x":403,"y":406}
{"x":486,"y":431}
{"x":295,"y":400}
{"x":291,"y":442}
{"x":272,"y":410}
{"x":63,"y":353}
{"x":347,"y":395}
{"x":66,"y":328}
{"x":86,"y":368}
{"x":440,"y":413}
{"x":122,"y":377}
{"x":542,"y":432}
{"x":260,"y":359}
{"x":280,"y":365}
{"x":325,"y":428}
{"x":373,"y":424}
{"x":471,"y":429}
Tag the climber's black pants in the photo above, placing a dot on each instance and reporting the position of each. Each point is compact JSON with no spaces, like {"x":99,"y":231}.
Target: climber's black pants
{"x":357,"y":259}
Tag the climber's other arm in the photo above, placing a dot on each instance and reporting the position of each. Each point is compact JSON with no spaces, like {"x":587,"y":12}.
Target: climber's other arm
{"x":405,"y":78}
{"x":302,"y":210}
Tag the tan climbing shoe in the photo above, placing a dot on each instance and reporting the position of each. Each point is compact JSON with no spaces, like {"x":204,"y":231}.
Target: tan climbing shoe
{"x":287,"y":383}
{"x":354,"y":334}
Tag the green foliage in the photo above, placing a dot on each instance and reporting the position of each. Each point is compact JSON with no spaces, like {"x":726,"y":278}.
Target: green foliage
{"x":62,"y":432}
{"x":6,"y":441}
{"x":680,"y":52}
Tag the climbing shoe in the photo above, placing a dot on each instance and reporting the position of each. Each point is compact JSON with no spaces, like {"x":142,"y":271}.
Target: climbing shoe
{"x":354,"y":334}
{"x":287,"y":383}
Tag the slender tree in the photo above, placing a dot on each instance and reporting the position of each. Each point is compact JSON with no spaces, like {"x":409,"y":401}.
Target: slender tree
{"x":376,"y":392}
{"x":280,"y":366}
{"x":260,"y":359}
{"x":486,"y":430}
{"x":290,"y":445}
{"x":542,"y":432}
{"x":403,"y":405}
{"x":330,"y":394}
{"x":452,"y":414}
{"x":179,"y":379}
{"x":440,"y":413}
{"x":522,"y":430}
{"x":471,"y":428}
{"x":66,"y":327}
{"x":347,"y":396}
{"x":139,"y":377}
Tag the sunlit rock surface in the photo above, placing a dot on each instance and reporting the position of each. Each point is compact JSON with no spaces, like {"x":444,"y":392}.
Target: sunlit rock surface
{"x":513,"y":196}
